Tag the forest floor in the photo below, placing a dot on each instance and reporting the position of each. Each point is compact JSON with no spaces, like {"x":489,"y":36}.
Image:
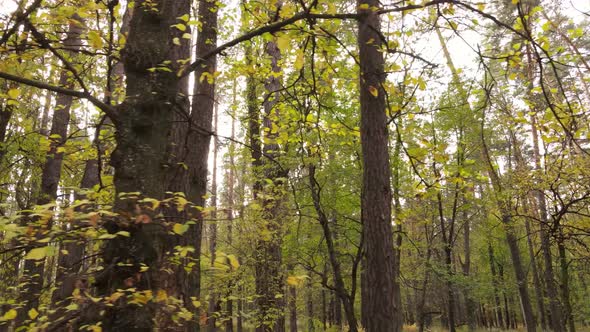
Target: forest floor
{"x":435,"y":328}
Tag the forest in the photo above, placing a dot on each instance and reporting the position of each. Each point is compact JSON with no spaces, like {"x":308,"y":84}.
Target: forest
{"x":294,"y":165}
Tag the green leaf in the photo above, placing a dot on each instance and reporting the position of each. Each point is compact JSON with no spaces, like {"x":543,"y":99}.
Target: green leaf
{"x":180,"y":228}
{"x":37,"y":253}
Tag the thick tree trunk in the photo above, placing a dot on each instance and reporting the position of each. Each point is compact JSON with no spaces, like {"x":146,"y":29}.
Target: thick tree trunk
{"x":144,"y":127}
{"x":379,"y":306}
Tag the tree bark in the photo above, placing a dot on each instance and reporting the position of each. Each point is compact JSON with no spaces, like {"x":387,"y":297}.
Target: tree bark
{"x":213,"y":295}
{"x":144,"y":127}
{"x":268,"y":269}
{"x":379,"y":306}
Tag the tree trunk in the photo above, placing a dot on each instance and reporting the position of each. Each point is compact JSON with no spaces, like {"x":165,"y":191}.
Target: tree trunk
{"x":339,"y":286}
{"x":213,"y":295}
{"x":144,"y":127}
{"x":536,"y":279}
{"x":229,"y":325}
{"x":268,"y":269}
{"x":379,"y":306}
{"x":51,"y":172}
{"x":521,"y":279}
{"x":497,"y":308}
{"x":292,"y":309}
{"x":565,"y":284}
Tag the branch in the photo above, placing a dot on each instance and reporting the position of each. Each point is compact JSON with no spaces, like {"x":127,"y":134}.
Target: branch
{"x":274,"y":27}
{"x":412,"y":7}
{"x":305,"y":15}
{"x":109,"y":110}
{"x":20,"y":17}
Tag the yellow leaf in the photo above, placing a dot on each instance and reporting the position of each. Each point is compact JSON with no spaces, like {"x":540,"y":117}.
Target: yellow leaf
{"x":33,"y":313}
{"x":9,"y":315}
{"x":283,"y":42}
{"x":373,"y":90}
{"x":186,"y":35}
{"x":180,"y":203}
{"x":196,"y":303}
{"x":176,"y":41}
{"x":95,"y":39}
{"x":13,"y":93}
{"x":299,"y":61}
{"x":37,"y":253}
{"x":161,"y":296}
{"x":179,"y":26}
{"x":233,"y":261}
{"x":296,"y":281}
{"x":514,"y":2}
{"x":180,"y":228}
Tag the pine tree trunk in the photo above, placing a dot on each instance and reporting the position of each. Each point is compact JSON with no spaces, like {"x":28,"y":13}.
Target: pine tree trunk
{"x":379,"y":306}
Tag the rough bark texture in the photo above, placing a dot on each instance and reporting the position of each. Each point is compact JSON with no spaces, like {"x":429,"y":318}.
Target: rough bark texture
{"x":378,"y":307}
{"x":141,"y":163}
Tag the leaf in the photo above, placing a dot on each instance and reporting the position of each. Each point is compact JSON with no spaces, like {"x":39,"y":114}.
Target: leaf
{"x":123,"y":233}
{"x":72,"y":307}
{"x":180,"y":228}
{"x":299,"y":60}
{"x":9,"y":315}
{"x":33,"y":313}
{"x":181,"y":202}
{"x":176,"y":41}
{"x":13,"y":93}
{"x":283,"y":42}
{"x":184,"y":17}
{"x":37,"y":253}
{"x":161,"y":296}
{"x":373,"y":91}
{"x":233,"y":261}
{"x":95,"y":39}
{"x":179,"y":26}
